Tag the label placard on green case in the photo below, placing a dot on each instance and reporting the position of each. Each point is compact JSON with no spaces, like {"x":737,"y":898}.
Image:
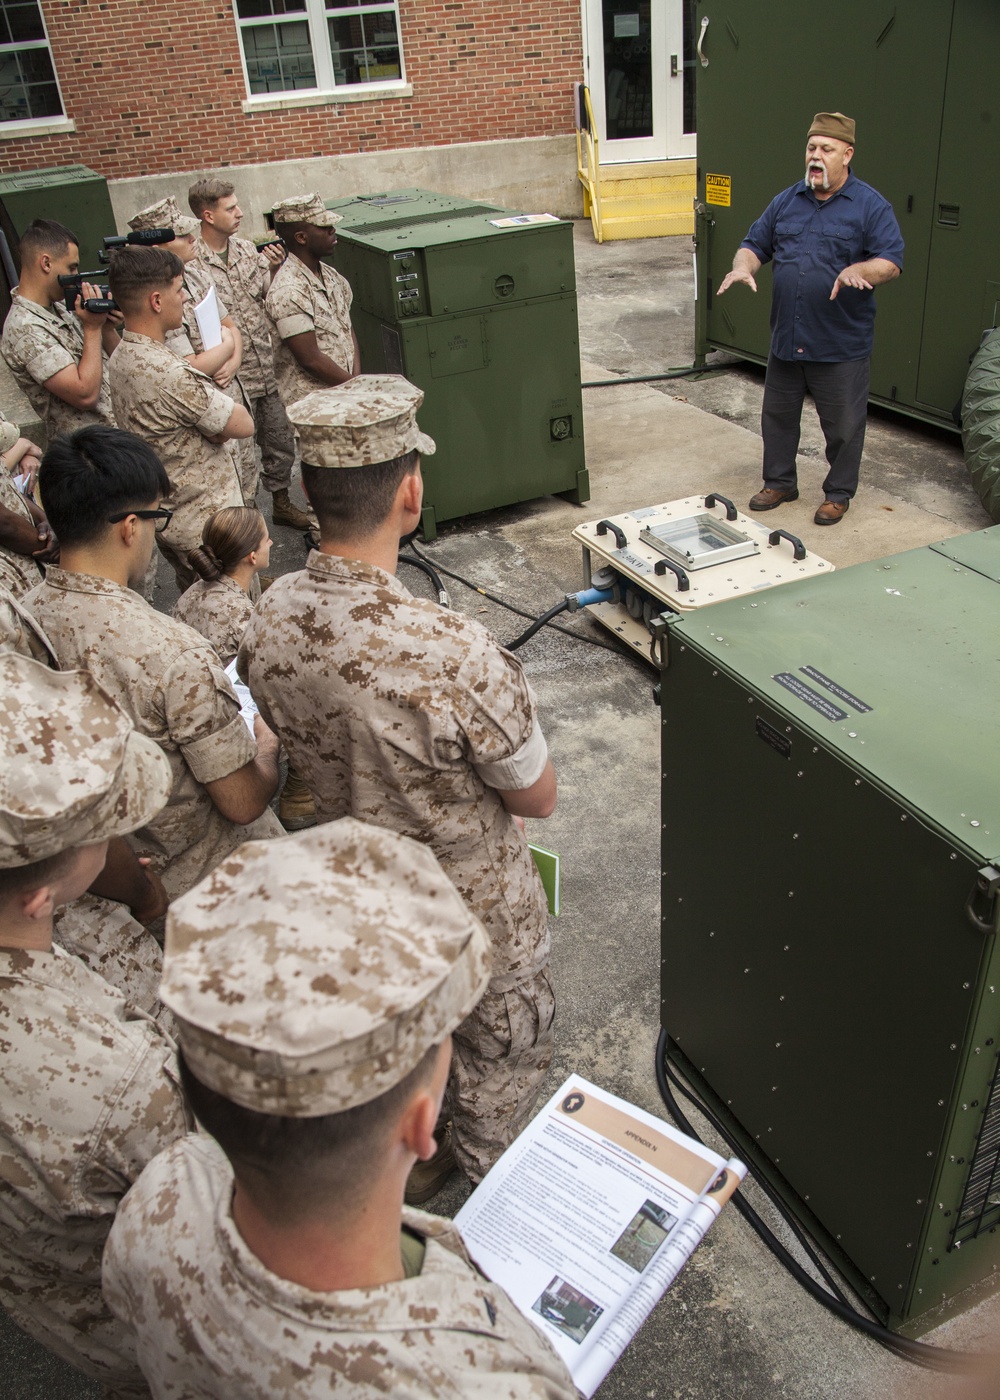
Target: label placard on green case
{"x":548,"y":868}
{"x":719,"y":189}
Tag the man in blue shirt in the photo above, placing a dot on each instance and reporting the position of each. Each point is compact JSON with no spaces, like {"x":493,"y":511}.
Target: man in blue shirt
{"x":832,"y":239}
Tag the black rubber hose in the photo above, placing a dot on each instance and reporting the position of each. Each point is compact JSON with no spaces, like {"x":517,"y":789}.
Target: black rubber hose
{"x":537,"y":625}
{"x":426,"y":567}
{"x":920,"y":1353}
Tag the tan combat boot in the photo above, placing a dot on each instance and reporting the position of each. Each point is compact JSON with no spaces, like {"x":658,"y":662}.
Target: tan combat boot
{"x":296,"y":807}
{"x":284,"y":512}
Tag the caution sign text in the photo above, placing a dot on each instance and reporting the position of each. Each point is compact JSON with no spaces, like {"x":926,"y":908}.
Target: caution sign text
{"x":718,"y":189}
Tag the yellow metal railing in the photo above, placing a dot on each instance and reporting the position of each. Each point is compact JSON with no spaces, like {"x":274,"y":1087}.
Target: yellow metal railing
{"x":587,"y":164}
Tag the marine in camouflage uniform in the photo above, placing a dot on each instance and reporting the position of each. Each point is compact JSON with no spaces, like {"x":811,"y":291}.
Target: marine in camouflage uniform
{"x":310,"y":977}
{"x":18,"y":572}
{"x":37,"y":343}
{"x":220,"y":610}
{"x":172,"y":686}
{"x":242,"y":275}
{"x":187,"y":339}
{"x":177,"y":410}
{"x":300,"y":301}
{"x":20,"y":633}
{"x":90,"y":1094}
{"x":410,"y":715}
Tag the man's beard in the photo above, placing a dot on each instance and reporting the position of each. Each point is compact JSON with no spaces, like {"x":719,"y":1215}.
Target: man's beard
{"x":826,"y":173}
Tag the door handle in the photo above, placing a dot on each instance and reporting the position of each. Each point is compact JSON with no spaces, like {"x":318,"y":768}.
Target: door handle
{"x":701,"y":41}
{"x":673,"y":65}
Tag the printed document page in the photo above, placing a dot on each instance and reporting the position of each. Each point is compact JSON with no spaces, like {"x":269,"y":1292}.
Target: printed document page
{"x":588,"y":1218}
{"x":206,"y":313}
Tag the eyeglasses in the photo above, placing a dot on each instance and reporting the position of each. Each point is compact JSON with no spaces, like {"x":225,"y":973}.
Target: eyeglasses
{"x":162,"y":517}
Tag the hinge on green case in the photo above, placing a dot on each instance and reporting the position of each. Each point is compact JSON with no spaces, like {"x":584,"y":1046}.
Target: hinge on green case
{"x":659,"y":652}
{"x":984,"y":895}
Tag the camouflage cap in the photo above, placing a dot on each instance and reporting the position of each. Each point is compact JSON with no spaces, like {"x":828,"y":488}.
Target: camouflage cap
{"x":311,"y":973}
{"x":305,"y":209}
{"x":371,"y":418}
{"x":73,"y":771}
{"x":165,"y":214}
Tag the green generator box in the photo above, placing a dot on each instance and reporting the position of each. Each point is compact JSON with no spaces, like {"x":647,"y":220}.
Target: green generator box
{"x":920,"y":81}
{"x":830,"y":876}
{"x":71,"y":194}
{"x":477,"y":307}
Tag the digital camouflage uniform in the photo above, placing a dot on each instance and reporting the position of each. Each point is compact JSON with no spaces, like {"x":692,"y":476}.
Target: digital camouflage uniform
{"x":20,"y":633}
{"x":406,"y":714}
{"x":18,"y":572}
{"x":214,"y":1322}
{"x":241,"y":279}
{"x":219,"y":610}
{"x":298,"y":301}
{"x":187,"y":340}
{"x":90,"y":1095}
{"x":106,"y":938}
{"x":172,"y":686}
{"x":308,"y":976}
{"x":176,"y":409}
{"x":37,"y":343}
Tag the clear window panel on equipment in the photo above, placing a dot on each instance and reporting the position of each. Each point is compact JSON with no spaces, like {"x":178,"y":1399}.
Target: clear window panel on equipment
{"x":699,"y":541}
{"x":628,"y":69}
{"x":364,"y":47}
{"x":279,"y":57}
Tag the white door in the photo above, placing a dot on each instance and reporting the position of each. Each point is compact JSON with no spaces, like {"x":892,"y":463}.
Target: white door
{"x":640,"y":71}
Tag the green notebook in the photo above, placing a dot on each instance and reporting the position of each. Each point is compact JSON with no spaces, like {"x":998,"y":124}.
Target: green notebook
{"x":548,"y":869}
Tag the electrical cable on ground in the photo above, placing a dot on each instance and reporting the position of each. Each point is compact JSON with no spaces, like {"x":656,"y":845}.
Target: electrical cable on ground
{"x":681,"y":372}
{"x":920,"y":1353}
{"x":501,"y":602}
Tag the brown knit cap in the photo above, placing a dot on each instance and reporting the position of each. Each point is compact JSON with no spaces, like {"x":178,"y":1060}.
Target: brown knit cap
{"x":833,"y":124}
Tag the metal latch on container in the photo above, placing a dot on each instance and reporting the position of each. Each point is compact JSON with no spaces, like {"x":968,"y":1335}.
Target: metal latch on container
{"x":980,"y":907}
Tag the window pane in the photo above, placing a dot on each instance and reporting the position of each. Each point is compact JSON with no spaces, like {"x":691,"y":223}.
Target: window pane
{"x":253,"y":9}
{"x":21,"y":22}
{"x":279,"y":58}
{"x":365,"y":48}
{"x":28,"y":86}
{"x":352,"y":4}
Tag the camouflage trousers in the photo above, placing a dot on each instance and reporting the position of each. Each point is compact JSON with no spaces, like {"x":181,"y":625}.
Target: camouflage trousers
{"x":501,"y":1053}
{"x":276,"y":440}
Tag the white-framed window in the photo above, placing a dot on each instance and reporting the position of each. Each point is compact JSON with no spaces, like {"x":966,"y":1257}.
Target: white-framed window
{"x":29,"y":90}
{"x":292,"y":46}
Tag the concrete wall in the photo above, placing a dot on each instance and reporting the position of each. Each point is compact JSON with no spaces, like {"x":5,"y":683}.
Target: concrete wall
{"x":534,"y":175}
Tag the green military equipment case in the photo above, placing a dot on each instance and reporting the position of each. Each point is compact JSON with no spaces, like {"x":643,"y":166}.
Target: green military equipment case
{"x":831,"y":861}
{"x":70,"y":194}
{"x":476,"y":306}
{"x":920,"y":81}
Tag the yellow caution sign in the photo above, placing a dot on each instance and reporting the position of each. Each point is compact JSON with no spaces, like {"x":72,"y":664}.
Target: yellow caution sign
{"x":718,"y":190}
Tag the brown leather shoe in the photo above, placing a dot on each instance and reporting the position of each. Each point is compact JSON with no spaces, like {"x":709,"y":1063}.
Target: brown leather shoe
{"x":830,"y":512}
{"x":769,"y":498}
{"x":427,"y":1178}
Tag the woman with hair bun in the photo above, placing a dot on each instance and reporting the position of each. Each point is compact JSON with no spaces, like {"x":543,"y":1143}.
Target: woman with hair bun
{"x":235,"y":546}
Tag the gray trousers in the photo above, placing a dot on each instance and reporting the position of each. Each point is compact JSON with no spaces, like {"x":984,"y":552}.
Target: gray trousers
{"x":273,"y":433}
{"x":840,"y":392}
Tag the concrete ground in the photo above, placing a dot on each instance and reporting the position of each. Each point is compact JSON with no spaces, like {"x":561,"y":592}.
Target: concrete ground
{"x":735,"y":1325}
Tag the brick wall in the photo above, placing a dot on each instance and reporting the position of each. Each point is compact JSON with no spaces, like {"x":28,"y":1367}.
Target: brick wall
{"x":157,"y":87}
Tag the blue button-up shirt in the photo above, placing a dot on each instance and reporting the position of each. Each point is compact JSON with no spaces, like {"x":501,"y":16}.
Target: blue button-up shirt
{"x":810,"y":242}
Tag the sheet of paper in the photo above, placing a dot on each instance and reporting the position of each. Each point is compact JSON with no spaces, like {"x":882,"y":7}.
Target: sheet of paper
{"x":248,"y":707}
{"x":206,"y":313}
{"x":521,"y":220}
{"x":588,"y":1218}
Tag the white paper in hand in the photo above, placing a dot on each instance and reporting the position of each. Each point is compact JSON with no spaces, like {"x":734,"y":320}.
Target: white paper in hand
{"x":206,"y":313}
{"x":248,"y":707}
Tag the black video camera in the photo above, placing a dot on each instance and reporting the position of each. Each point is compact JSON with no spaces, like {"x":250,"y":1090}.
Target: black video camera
{"x":72,"y":285}
{"x":140,"y":238}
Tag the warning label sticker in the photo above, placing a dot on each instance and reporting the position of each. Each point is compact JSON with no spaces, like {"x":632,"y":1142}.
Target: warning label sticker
{"x":811,"y":697}
{"x":836,"y":689}
{"x":719,"y":189}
